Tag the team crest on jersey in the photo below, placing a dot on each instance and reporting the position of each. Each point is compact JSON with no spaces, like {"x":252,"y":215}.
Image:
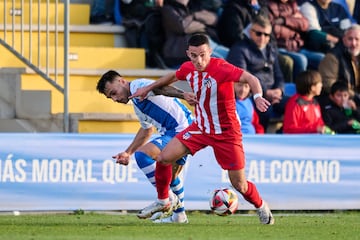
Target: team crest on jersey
{"x":186,"y":136}
{"x":207,"y":82}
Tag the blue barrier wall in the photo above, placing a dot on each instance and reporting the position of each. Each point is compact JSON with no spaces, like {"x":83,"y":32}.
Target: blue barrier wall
{"x":76,"y":171}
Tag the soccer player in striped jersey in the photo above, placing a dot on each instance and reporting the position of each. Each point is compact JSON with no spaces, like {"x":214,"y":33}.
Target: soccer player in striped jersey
{"x":216,"y":123}
{"x":169,"y":116}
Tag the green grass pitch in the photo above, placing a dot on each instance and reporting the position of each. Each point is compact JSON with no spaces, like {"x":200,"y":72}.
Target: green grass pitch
{"x":113,"y":225}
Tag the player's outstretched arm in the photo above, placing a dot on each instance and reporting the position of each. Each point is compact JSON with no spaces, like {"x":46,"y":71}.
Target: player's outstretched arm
{"x":122,"y":158}
{"x":141,"y":138}
{"x":169,"y":91}
{"x":163,"y":81}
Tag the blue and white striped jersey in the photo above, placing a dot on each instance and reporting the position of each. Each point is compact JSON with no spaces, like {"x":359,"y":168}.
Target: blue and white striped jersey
{"x":168,"y":115}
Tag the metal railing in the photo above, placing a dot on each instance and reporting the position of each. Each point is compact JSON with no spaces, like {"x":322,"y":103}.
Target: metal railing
{"x":26,"y":41}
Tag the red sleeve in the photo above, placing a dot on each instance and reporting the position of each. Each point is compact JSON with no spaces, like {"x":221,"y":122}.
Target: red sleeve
{"x":259,"y":129}
{"x":183,"y":70}
{"x":228,"y":72}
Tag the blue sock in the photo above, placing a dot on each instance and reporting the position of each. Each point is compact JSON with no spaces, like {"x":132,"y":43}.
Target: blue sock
{"x":147,"y":165}
{"x":177,"y":187}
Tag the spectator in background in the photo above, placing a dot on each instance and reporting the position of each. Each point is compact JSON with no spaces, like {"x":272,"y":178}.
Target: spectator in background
{"x":203,"y":8}
{"x":236,"y":16}
{"x":348,"y":5}
{"x":245,"y":108}
{"x":302,"y":111}
{"x":341,"y":114}
{"x":138,"y":9}
{"x":343,"y":63}
{"x":255,"y":53}
{"x":356,"y":11}
{"x":102,"y":12}
{"x":288,"y":24}
{"x":327,"y":22}
{"x":143,"y":29}
{"x":289,"y":27}
{"x":180,"y":22}
{"x":351,"y":7}
{"x":209,"y":5}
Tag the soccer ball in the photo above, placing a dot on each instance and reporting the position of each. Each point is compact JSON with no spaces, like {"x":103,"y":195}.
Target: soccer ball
{"x":224,"y":201}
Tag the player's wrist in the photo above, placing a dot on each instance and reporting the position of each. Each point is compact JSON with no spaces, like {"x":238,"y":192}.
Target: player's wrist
{"x":256,"y":96}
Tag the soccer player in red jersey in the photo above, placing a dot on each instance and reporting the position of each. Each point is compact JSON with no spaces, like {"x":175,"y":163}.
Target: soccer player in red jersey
{"x":216,"y":122}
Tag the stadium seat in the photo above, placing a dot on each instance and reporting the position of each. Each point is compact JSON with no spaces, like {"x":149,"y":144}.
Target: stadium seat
{"x":289,"y":89}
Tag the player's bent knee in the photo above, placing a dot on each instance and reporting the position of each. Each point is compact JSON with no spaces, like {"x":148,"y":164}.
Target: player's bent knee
{"x":163,"y":161}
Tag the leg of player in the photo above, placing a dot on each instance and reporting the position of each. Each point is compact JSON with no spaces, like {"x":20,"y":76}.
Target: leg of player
{"x":145,"y":161}
{"x":250,"y":193}
{"x":167,"y":200}
{"x":163,"y":180}
{"x":147,"y":165}
{"x":174,"y":152}
{"x":178,"y":215}
{"x":177,"y":186}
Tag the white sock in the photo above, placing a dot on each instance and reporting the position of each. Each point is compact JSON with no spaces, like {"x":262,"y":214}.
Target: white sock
{"x":164,"y":201}
{"x":179,"y":215}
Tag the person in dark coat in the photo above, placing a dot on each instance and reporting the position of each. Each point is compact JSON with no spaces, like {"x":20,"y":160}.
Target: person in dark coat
{"x":341,"y":114}
{"x":255,"y":53}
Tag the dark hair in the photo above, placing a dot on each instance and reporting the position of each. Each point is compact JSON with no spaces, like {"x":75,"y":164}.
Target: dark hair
{"x":109,"y":76}
{"x":339,"y":86}
{"x":198,"y":39}
{"x":305,"y":80}
{"x":261,"y":20}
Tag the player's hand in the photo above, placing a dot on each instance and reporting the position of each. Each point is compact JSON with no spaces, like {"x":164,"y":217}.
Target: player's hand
{"x":140,"y":93}
{"x":190,"y":98}
{"x":122,"y":158}
{"x":274,"y":95}
{"x":262,"y":104}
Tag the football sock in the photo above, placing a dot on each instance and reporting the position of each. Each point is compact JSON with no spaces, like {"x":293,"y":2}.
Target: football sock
{"x":163,"y":201}
{"x":147,"y":165}
{"x":177,"y":187}
{"x":180,"y":216}
{"x":163,"y":175}
{"x":252,"y":195}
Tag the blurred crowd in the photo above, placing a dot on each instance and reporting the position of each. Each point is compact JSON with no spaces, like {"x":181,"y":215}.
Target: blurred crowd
{"x":309,"y":46}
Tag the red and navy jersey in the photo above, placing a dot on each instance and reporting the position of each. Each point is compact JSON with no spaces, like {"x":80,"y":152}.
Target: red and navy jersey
{"x":302,"y":115}
{"x":214,"y":89}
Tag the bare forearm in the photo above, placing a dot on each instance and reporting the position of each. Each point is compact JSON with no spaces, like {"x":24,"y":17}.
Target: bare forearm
{"x":142,"y":136}
{"x":169,"y":91}
{"x":161,"y":82}
{"x":253,"y":82}
{"x":261,"y":103}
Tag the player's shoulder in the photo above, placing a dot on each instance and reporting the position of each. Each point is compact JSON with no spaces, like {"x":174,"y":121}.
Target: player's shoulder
{"x":186,"y":66}
{"x":184,"y":70}
{"x":219,"y":64}
{"x":139,"y":83}
{"x":215,"y":60}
